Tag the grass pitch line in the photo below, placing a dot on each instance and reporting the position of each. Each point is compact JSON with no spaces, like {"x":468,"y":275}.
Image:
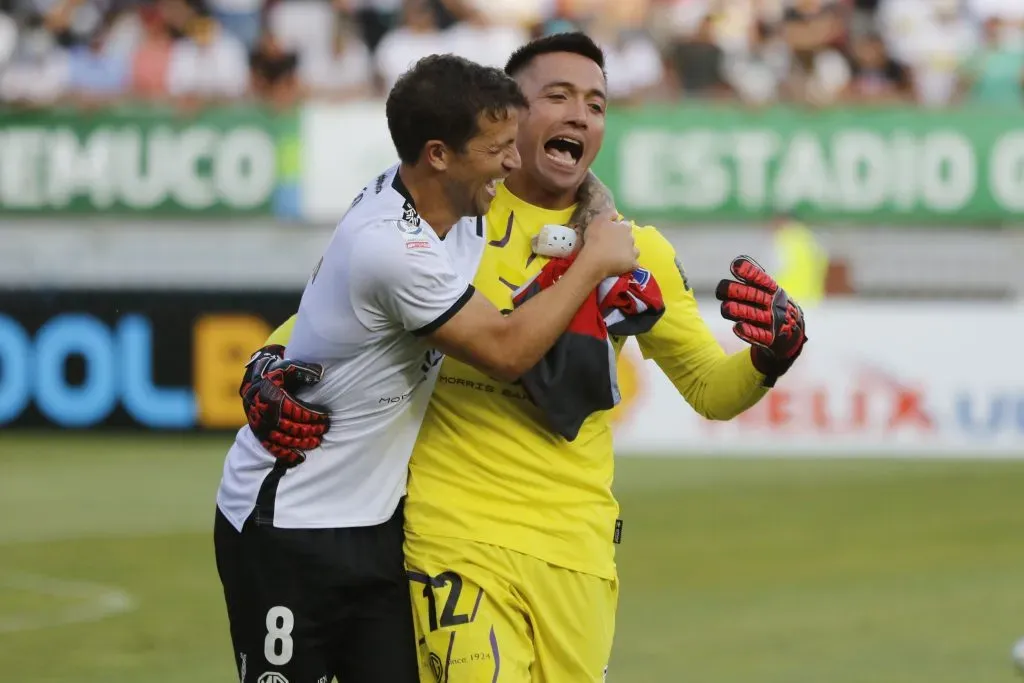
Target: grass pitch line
{"x":93,"y":602}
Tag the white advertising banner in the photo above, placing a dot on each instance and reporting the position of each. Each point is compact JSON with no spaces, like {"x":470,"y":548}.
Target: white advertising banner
{"x":916,"y":379}
{"x":347,"y":146}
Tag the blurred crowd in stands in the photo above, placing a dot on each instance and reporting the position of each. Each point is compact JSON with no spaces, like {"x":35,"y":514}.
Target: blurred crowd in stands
{"x":281,"y":52}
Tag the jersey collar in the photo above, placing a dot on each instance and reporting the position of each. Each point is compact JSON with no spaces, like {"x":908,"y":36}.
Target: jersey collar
{"x":399,"y":186}
{"x":538,"y":217}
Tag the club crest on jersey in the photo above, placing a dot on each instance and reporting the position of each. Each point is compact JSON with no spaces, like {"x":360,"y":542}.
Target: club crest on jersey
{"x":409,"y":214}
{"x":409,"y":229}
{"x":641,"y":276}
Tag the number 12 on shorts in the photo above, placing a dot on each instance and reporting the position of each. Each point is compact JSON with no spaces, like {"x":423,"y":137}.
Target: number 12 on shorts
{"x":278,"y":645}
{"x":448,"y":616}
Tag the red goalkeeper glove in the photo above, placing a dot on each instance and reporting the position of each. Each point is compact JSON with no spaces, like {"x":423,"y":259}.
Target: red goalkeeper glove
{"x":285,"y":426}
{"x":765,"y":317}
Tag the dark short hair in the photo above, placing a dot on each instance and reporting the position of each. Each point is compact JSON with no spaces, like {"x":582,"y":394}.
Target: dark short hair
{"x":442,"y":98}
{"x":576,"y":42}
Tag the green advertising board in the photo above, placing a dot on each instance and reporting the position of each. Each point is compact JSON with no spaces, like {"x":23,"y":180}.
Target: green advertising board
{"x":236,"y":161}
{"x":704,"y":162}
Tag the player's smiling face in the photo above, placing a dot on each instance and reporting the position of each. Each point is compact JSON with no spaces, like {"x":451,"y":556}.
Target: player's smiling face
{"x":562,"y":132}
{"x":489,"y":157}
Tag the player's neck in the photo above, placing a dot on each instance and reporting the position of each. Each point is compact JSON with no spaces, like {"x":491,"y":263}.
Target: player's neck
{"x":532,"y":193}
{"x":429,"y":198}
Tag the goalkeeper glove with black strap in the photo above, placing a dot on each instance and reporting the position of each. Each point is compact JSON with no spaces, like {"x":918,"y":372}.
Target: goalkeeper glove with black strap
{"x":765,"y":316}
{"x":284,"y":425}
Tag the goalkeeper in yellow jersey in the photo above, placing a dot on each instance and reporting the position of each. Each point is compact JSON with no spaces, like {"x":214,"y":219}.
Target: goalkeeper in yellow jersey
{"x":510,"y":528}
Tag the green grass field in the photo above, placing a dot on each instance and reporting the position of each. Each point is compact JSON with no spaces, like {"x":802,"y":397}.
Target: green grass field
{"x":733,"y":571}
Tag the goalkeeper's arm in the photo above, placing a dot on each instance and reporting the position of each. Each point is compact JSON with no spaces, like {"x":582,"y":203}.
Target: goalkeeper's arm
{"x":717,"y":385}
{"x":283,"y":334}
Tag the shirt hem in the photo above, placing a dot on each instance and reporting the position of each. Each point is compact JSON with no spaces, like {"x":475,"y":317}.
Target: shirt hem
{"x":313,"y":524}
{"x":581,"y":568}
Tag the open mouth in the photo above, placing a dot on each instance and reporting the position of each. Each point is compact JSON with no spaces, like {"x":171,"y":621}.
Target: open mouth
{"x":564,"y":151}
{"x":492,"y":187}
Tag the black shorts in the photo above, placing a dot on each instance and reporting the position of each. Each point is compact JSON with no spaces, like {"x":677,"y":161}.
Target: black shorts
{"x":312,"y":604}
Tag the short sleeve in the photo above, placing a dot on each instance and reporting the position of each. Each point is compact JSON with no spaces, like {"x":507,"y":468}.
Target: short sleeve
{"x":407,"y":276}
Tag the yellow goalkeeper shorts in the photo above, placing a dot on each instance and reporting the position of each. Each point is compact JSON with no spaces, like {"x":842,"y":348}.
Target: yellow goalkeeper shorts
{"x":486,"y":614}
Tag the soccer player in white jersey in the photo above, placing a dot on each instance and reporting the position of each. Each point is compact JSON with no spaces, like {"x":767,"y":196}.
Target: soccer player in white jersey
{"x":311,"y":557}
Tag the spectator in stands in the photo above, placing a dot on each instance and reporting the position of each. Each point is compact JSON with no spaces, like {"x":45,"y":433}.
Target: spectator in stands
{"x":37,"y":73}
{"x":877,"y":78}
{"x":636,"y":71}
{"x":418,"y":36}
{"x":273,"y":73}
{"x":815,"y":31}
{"x":340,"y":71}
{"x":8,"y":36}
{"x":152,"y":56}
{"x":756,"y":70}
{"x":178,"y":15}
{"x":374,"y":18}
{"x":934,"y":38}
{"x":304,"y":27}
{"x":813,"y":27}
{"x":695,"y":58}
{"x":995,"y":74}
{"x":521,"y":13}
{"x":241,"y":18}
{"x":478,"y":38}
{"x":74,"y":22}
{"x":209,"y":65}
{"x":862,"y":17}
{"x":451,"y":12}
{"x":763,"y":51}
{"x":97,"y":75}
{"x":1010,"y":11}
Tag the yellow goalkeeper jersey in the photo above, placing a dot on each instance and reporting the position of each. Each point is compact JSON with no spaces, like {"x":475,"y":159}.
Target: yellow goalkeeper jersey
{"x":485,"y":467}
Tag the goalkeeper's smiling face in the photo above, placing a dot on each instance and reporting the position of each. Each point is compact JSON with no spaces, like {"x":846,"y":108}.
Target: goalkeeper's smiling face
{"x":561,"y":134}
{"x":473,"y":174}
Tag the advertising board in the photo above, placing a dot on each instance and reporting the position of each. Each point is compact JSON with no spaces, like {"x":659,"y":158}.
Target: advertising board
{"x":722,"y":163}
{"x":156,"y":360}
{"x":874,"y":379}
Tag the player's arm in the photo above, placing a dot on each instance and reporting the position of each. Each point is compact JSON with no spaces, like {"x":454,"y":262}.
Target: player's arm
{"x":472,"y":330}
{"x":506,"y":346}
{"x":719,"y":386}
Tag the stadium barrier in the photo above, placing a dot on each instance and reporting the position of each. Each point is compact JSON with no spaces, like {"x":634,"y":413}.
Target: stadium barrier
{"x":698,"y":162}
{"x":875,"y":379}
